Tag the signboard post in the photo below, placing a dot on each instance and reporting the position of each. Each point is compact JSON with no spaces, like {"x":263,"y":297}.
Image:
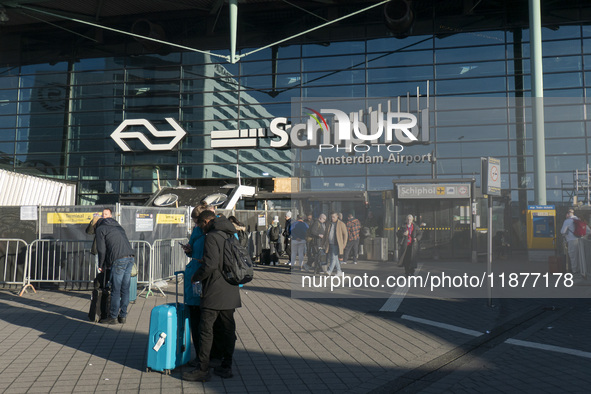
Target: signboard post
{"x":490,"y":177}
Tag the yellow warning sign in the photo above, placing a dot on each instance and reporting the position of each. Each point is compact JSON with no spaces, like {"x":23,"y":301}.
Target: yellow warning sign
{"x":69,"y":217}
{"x":440,"y":191}
{"x":166,"y":218}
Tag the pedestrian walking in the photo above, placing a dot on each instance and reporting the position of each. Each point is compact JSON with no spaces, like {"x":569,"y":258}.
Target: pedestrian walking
{"x":274,"y":235}
{"x":287,"y":236}
{"x":409,"y":235}
{"x":298,"y":243}
{"x":574,"y":229}
{"x":317,"y":254}
{"x":353,"y":230}
{"x":335,"y":239}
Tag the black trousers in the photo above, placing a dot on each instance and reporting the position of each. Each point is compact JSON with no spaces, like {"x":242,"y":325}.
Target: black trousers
{"x":227,"y":339}
{"x":352,"y":245}
{"x":316,"y":257}
{"x":275,"y":251}
{"x":195,"y":320}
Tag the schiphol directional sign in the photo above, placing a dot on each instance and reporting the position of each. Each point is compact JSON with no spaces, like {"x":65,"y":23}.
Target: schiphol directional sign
{"x":491,"y":176}
{"x":177,"y":133}
{"x":433,"y":190}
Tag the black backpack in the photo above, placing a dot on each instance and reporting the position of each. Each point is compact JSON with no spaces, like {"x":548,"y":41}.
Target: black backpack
{"x":243,"y":238}
{"x":237,"y":265}
{"x":274,"y":233}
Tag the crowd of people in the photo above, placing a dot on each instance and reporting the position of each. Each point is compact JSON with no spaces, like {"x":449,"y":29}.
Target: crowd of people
{"x":315,"y":245}
{"x":320,"y":245}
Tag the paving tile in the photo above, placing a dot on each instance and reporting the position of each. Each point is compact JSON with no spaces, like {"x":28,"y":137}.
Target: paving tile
{"x":292,"y":345}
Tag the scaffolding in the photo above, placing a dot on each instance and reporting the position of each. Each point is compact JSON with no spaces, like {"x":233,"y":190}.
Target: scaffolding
{"x":578,"y":192}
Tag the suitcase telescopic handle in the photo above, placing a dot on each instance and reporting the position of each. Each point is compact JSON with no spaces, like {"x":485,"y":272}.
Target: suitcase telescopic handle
{"x":180,"y":314}
{"x":176,"y":274}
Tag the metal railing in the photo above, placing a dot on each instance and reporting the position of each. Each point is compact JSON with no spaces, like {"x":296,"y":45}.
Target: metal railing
{"x":61,"y":261}
{"x":13,"y":261}
{"x":168,"y":258}
{"x":143,"y":259}
{"x":70,"y":264}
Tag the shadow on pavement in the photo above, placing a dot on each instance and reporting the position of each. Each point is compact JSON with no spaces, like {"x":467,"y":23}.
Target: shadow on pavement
{"x":71,"y":328}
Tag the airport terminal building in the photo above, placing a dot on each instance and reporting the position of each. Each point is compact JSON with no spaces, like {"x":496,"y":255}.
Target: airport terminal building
{"x":122,"y":96}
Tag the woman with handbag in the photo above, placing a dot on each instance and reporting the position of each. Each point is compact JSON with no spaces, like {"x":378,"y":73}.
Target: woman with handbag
{"x":409,"y":234}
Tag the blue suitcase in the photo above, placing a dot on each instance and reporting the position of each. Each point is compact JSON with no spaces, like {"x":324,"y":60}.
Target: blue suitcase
{"x":169,"y":340}
{"x":133,"y":289}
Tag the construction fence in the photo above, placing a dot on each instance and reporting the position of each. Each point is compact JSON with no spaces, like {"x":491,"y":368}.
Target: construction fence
{"x":70,"y":264}
{"x":49,"y":244}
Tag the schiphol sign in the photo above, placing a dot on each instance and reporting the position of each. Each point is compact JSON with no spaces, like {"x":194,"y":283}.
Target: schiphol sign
{"x":433,"y":191}
{"x":386,"y":131}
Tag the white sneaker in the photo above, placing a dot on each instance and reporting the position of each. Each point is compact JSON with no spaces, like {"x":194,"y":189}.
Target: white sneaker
{"x":340,"y":273}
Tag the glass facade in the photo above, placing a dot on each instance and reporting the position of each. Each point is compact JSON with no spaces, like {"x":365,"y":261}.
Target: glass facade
{"x":57,"y":118}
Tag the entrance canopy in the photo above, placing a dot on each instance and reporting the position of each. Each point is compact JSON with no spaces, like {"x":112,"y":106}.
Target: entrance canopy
{"x":443,"y":209}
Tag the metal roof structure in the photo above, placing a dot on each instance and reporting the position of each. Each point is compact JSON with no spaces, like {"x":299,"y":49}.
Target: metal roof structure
{"x":100,"y":27}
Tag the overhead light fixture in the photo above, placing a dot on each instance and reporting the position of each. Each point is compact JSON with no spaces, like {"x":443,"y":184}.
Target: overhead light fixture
{"x":3,"y":16}
{"x":215,"y":199}
{"x":166,"y":200}
{"x":399,"y":17}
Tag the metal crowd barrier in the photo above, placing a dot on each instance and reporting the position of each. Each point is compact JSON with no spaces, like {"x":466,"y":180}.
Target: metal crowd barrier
{"x":143,"y":259}
{"x":70,"y":263}
{"x":13,"y":261}
{"x":60,"y":261}
{"x":168,"y":257}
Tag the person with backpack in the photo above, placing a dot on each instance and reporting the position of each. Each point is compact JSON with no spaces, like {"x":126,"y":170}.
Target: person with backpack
{"x":194,"y":250}
{"x":274,"y":233}
{"x":219,"y":298}
{"x":573,"y":229}
{"x":241,"y":232}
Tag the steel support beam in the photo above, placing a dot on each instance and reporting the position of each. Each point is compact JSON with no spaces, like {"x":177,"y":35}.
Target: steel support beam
{"x":537,"y":93}
{"x":233,"y":30}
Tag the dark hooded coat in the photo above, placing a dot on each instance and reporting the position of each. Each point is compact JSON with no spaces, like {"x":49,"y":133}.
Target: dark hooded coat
{"x":409,"y":252}
{"x":217,"y":294}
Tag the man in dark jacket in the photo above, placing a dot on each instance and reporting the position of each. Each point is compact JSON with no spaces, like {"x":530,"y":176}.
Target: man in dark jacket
{"x":316,"y":252}
{"x":218,"y":298}
{"x":116,"y":254}
{"x":287,"y":237}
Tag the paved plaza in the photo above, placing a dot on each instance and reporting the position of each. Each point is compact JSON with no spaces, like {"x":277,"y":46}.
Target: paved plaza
{"x":319,"y":345}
